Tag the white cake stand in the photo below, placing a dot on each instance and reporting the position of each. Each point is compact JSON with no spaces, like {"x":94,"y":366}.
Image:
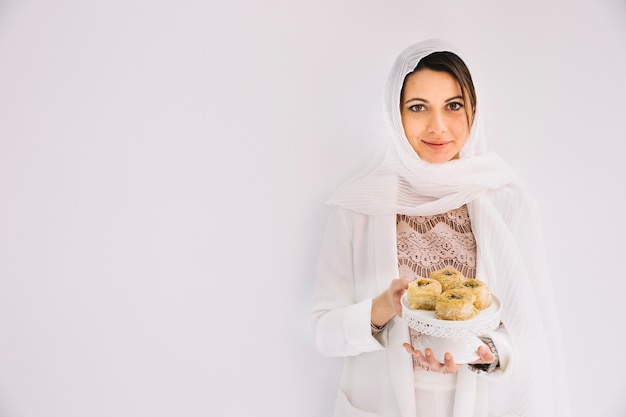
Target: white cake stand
{"x":459,"y":338}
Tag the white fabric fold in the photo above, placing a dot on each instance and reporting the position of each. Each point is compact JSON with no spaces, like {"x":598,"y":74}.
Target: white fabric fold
{"x":465,"y":396}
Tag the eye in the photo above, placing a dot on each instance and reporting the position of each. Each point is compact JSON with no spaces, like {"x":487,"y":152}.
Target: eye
{"x":455,"y":106}
{"x":416,"y":107}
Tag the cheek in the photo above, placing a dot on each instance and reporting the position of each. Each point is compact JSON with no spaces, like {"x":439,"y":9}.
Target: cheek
{"x":413,"y":128}
{"x":461,"y":131}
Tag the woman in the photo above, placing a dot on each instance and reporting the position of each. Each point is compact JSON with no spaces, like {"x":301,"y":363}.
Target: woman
{"x":436,"y":199}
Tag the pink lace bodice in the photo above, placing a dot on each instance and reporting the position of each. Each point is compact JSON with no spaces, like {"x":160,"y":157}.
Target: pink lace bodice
{"x":429,"y":243}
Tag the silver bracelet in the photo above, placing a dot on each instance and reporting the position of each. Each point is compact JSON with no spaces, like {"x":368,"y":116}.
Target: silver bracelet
{"x":486,"y":368}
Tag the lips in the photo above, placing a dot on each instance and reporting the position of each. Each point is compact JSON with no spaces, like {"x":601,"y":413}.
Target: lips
{"x":436,"y":144}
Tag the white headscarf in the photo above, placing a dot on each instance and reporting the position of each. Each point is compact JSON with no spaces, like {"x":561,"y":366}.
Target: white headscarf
{"x":511,"y":256}
{"x":403,"y":183}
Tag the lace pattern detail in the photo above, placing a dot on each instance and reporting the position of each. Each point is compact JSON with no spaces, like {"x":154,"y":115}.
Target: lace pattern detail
{"x":429,"y":243}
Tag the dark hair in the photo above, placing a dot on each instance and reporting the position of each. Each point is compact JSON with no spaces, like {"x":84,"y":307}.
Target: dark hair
{"x":451,"y":63}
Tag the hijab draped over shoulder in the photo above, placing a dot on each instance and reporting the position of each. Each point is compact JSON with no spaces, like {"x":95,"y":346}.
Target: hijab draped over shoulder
{"x":505,"y":221}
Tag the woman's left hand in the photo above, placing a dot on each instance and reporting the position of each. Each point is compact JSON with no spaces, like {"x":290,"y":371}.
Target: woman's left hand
{"x":486,"y":355}
{"x":428,"y":362}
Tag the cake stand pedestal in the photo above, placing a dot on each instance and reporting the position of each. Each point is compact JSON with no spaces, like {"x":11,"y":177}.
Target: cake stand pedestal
{"x":459,"y":338}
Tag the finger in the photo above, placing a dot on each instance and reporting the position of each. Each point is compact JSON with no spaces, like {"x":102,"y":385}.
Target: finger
{"x":400,"y":284}
{"x":448,"y":360}
{"x":432,"y":361}
{"x":418,"y":354}
{"x":414,"y":352}
{"x":447,"y":363}
{"x":449,"y":367}
{"x":485,"y":354}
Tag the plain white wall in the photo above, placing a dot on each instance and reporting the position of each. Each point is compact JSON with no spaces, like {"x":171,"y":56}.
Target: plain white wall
{"x":164,"y":167}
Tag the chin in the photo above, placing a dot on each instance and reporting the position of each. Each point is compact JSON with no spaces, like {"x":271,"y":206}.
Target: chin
{"x":438,"y":159}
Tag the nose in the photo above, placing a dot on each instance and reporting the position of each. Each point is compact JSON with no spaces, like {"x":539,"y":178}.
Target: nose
{"x":436,"y":123}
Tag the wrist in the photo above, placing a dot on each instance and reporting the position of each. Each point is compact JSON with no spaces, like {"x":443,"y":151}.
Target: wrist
{"x":382,"y":311}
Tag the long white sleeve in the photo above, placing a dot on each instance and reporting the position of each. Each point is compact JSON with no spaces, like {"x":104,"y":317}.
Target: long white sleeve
{"x":341,"y":321}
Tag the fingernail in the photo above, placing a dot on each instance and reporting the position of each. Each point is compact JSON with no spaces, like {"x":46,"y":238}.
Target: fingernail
{"x":447,"y":356}
{"x":427,"y":352}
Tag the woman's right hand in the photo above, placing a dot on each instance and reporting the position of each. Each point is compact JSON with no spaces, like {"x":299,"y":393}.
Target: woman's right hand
{"x":387,"y":304}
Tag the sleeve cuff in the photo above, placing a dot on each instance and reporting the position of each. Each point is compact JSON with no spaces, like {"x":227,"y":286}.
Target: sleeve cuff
{"x":502,"y":343}
{"x":357,"y":327}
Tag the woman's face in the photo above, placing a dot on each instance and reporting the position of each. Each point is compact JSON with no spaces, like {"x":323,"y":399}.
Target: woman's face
{"x":433,"y":115}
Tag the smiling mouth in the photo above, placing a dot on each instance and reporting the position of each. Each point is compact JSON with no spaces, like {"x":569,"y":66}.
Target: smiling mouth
{"x":436,"y":144}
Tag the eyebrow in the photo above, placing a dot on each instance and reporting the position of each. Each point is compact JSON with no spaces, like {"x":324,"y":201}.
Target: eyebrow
{"x":426,"y":101}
